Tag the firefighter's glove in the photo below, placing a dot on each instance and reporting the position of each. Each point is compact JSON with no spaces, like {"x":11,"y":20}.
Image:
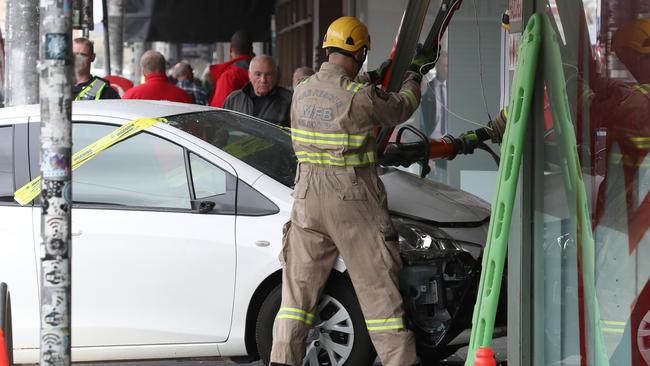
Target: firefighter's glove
{"x":378,"y":75}
{"x":468,"y":141}
{"x":422,"y":63}
{"x":393,"y":156}
{"x":497,"y":127}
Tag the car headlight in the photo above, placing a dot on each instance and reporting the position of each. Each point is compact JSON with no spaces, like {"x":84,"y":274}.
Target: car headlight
{"x":414,"y":235}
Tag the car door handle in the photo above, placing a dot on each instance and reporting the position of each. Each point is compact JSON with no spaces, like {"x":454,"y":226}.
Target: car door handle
{"x":262,"y":243}
{"x":77,"y":232}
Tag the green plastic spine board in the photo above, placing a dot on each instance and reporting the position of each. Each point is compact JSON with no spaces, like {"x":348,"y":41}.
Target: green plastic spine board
{"x":511,"y":151}
{"x":574,"y":186}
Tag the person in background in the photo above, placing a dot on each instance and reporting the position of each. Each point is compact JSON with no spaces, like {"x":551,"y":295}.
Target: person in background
{"x":184,"y":76}
{"x":301,"y":74}
{"x":262,"y":97}
{"x":87,"y":86}
{"x":156,"y":86}
{"x":232,"y":75}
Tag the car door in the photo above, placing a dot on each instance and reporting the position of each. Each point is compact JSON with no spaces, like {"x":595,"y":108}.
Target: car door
{"x":17,"y":252}
{"x":148,"y":268}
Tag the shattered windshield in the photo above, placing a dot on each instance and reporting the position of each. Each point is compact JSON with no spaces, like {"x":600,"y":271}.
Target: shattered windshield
{"x":261,"y":145}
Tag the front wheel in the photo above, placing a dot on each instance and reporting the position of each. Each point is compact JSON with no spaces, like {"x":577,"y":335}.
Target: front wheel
{"x":338,"y":335}
{"x":5,"y":325}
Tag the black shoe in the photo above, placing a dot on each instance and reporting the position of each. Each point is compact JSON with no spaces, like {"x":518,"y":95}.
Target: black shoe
{"x":278,"y":364}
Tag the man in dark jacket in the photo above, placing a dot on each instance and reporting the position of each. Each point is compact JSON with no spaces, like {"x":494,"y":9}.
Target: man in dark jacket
{"x":261,"y":97}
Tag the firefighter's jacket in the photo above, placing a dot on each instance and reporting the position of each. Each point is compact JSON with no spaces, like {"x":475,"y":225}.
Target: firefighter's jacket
{"x":333,"y":117}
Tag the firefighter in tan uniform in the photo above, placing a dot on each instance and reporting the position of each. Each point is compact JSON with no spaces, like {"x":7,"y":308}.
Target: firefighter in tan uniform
{"x":339,"y":202}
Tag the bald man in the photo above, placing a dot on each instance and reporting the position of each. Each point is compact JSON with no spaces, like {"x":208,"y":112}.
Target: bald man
{"x":156,"y":86}
{"x":184,"y":75}
{"x":262,"y":97}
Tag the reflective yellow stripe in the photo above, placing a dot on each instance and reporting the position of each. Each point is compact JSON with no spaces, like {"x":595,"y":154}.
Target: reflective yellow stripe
{"x":343,"y":139}
{"x":295,"y":314}
{"x":330,"y":159}
{"x":326,"y":142}
{"x":353,"y":87}
{"x":90,"y":88}
{"x":612,"y":322}
{"x":299,"y":311}
{"x":29,"y":191}
{"x":643,"y":88}
{"x":640,"y":139}
{"x":332,"y":135}
{"x":384,"y":324}
{"x":412,"y":98}
{"x":612,"y":330}
{"x":375,"y":321}
{"x":294,"y":317}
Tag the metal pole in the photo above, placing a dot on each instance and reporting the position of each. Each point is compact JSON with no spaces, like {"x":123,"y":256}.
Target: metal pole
{"x":138,"y":49}
{"x":21,"y":76}
{"x":87,"y":22}
{"x":107,"y":46}
{"x":56,"y":69}
{"x":115,"y":24}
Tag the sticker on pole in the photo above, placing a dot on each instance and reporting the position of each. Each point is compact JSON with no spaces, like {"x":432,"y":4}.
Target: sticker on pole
{"x":29,"y":191}
{"x":56,"y":46}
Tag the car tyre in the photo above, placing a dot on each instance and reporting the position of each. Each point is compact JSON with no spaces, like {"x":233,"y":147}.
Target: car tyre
{"x":5,"y":320}
{"x":338,"y":298}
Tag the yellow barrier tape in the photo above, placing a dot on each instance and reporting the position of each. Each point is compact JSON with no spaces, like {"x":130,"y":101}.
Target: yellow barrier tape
{"x":29,"y":191}
{"x":247,"y":146}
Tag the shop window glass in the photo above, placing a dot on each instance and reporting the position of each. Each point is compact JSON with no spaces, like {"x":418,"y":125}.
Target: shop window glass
{"x":591,"y":289}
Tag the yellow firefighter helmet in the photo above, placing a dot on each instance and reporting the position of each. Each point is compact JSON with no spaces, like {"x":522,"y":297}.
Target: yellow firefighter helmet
{"x":347,"y":33}
{"x":634,"y":34}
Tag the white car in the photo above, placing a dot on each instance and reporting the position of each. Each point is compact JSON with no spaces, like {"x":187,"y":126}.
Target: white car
{"x":176,"y":233}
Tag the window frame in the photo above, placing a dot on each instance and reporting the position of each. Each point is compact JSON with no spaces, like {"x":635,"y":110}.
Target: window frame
{"x":163,"y":133}
{"x":14,"y":160}
{"x":34,"y":125}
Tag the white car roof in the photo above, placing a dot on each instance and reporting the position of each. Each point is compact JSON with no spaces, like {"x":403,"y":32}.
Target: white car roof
{"x":128,"y":109}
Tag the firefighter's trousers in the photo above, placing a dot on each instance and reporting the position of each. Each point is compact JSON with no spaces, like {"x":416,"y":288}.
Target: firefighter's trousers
{"x":341,"y":210}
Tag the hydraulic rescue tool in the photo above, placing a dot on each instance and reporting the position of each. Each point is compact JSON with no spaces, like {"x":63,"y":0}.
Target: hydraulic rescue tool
{"x":398,"y":153}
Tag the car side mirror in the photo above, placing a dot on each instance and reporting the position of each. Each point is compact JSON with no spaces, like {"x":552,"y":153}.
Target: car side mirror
{"x":203,"y":207}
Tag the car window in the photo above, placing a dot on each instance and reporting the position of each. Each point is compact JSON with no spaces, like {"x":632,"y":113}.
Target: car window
{"x":264,"y":146}
{"x":211,"y":183}
{"x":208,"y":180}
{"x":142,"y":171}
{"x":6,"y":164}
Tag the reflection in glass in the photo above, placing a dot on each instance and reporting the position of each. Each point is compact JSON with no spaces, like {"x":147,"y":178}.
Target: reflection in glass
{"x":605,"y":50}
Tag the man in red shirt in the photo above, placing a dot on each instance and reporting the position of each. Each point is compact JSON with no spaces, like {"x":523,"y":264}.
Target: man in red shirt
{"x":156,"y":86}
{"x":232,"y":75}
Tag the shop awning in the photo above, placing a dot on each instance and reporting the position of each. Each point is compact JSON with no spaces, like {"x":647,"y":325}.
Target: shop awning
{"x":196,"y":21}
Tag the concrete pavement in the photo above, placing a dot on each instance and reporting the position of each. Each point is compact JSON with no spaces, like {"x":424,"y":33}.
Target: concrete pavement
{"x":458,"y":359}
